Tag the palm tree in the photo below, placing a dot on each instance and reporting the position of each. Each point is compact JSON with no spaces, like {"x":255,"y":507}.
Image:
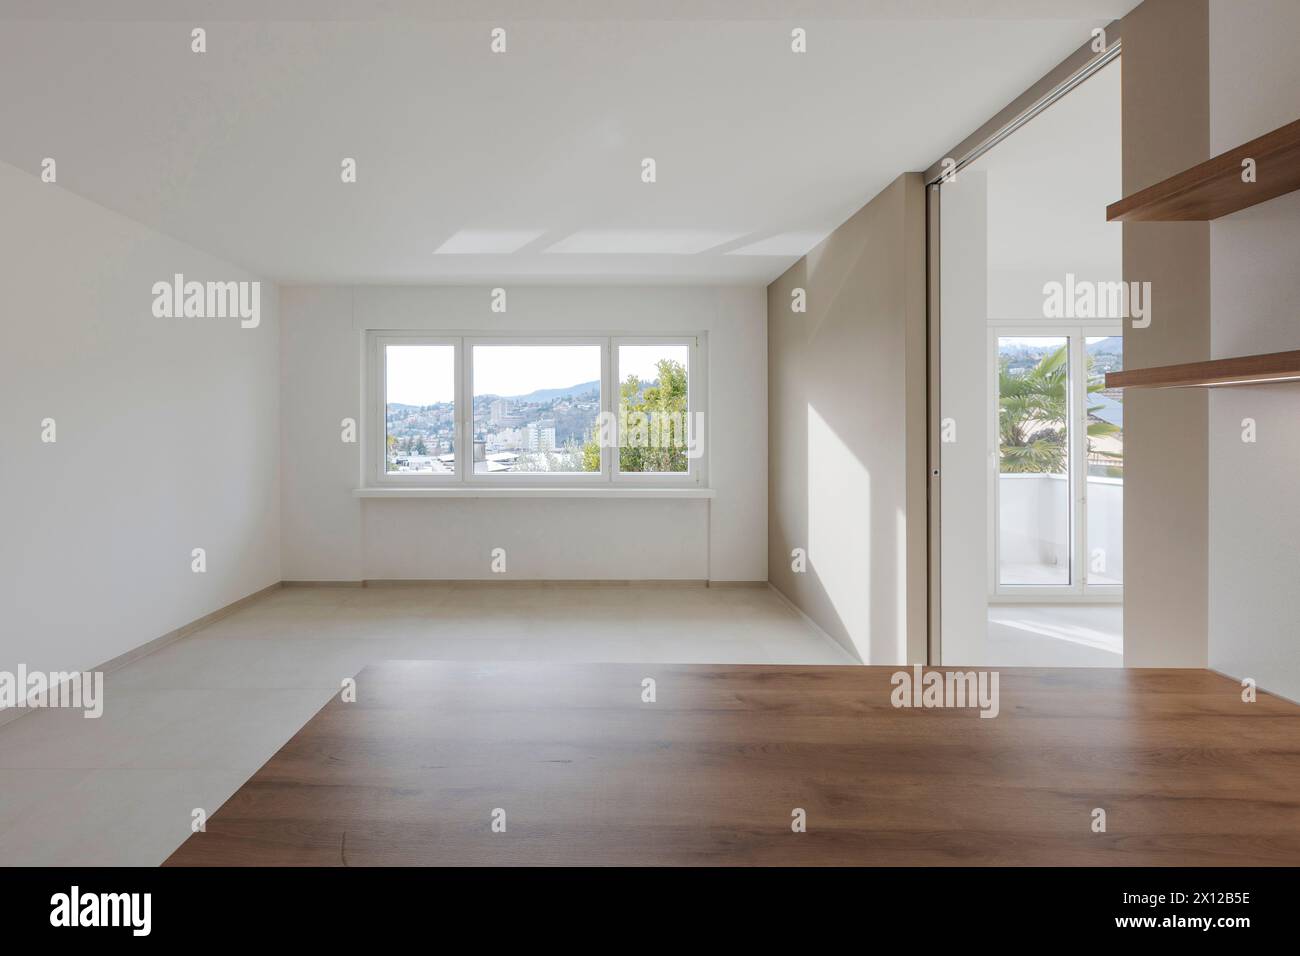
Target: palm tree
{"x":1032,"y":413}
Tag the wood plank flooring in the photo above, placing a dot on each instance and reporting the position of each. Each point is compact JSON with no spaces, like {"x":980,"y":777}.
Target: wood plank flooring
{"x":709,"y":774}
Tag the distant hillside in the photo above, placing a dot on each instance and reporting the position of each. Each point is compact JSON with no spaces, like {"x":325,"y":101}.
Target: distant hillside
{"x":539,"y":397}
{"x":1107,"y":346}
{"x":550,"y":394}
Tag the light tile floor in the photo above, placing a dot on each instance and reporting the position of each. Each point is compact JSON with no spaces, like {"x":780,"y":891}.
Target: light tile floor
{"x":1054,"y":635}
{"x":184,"y":727}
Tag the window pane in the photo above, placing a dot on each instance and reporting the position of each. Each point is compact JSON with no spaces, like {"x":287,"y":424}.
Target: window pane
{"x":420,"y":409}
{"x":536,"y":408}
{"x":1105,"y":462}
{"x":652,"y":408}
{"x":1034,"y":478}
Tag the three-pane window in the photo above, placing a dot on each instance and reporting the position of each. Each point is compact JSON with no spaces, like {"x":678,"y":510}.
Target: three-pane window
{"x":511,"y":409}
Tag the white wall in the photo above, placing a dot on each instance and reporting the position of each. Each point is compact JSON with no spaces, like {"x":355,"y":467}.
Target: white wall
{"x":1166,"y":129}
{"x":167,"y":436}
{"x":1255,"y":288}
{"x":330,"y":535}
{"x":1039,"y":231}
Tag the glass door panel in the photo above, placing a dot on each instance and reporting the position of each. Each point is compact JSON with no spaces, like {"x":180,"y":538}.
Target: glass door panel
{"x":1033,"y":479}
{"x":1105,"y":476}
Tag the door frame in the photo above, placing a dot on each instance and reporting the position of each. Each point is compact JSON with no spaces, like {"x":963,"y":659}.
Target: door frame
{"x":1071,"y":72}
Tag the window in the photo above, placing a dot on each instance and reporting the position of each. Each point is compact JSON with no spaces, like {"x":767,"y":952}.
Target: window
{"x":419,"y":408}
{"x":536,"y":409}
{"x":1035,"y":544}
{"x":518,"y":411}
{"x":654,"y":422}
{"x":1059,"y":498}
{"x":1105,"y":477}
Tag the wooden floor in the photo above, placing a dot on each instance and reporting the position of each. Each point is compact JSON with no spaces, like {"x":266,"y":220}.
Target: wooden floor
{"x":710,"y":773}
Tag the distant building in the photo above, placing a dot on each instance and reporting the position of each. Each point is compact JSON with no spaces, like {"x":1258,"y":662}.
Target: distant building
{"x":540,"y":435}
{"x":503,"y":412}
{"x":506,"y":438}
{"x":427,"y":464}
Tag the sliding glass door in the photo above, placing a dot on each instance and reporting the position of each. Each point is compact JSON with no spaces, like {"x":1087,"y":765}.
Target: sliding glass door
{"x":1056,"y":437}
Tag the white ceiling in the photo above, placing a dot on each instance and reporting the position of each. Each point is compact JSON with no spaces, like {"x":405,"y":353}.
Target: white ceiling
{"x":475,"y":166}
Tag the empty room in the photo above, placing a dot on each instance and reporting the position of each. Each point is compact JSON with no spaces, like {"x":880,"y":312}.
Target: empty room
{"x":650,"y":436}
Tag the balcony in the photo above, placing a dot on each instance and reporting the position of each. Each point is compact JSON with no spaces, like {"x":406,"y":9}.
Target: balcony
{"x":1034,"y":530}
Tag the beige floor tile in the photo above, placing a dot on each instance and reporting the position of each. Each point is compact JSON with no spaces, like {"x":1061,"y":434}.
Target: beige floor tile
{"x":186,"y":725}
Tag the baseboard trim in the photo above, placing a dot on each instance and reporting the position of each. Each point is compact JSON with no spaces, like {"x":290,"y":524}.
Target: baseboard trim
{"x":9,"y":714}
{"x":532,"y":582}
{"x":322,"y":584}
{"x":853,"y":655}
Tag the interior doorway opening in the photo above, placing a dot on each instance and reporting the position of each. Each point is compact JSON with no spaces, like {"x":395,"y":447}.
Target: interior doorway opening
{"x":1031,"y":549}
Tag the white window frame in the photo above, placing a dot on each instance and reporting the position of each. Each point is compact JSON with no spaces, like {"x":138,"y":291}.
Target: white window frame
{"x":463,"y":476}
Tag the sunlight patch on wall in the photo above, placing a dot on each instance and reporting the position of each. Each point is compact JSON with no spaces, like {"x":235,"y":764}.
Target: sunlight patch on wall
{"x":839,"y":529}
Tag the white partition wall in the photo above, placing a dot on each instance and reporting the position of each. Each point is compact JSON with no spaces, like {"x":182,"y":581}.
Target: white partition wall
{"x":964,"y":401}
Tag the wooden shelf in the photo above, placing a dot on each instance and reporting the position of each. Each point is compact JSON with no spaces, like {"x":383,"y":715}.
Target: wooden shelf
{"x":1245,"y":370}
{"x":1214,"y":188}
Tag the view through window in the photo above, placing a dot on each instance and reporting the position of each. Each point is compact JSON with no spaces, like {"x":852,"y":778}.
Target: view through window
{"x":1105,"y":462}
{"x":594,"y":407}
{"x":536,"y":408}
{"x":420,"y":409}
{"x":652,"y":412}
{"x":1034,"y":457}
{"x":1035,"y":428}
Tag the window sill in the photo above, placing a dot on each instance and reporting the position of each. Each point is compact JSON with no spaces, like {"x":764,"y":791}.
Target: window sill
{"x":466,"y":491}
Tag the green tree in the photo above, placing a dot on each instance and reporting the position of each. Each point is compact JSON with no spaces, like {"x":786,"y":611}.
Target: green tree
{"x":651,"y":424}
{"x":591,"y":452}
{"x":1032,"y":412}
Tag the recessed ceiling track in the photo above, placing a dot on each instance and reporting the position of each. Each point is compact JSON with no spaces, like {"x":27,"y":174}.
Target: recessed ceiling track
{"x":1077,"y":68}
